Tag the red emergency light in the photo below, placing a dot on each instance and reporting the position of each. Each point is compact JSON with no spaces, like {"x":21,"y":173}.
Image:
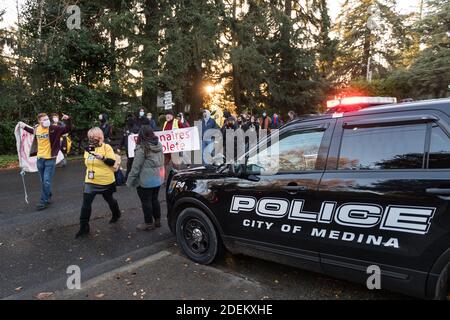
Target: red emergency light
{"x":357,"y":103}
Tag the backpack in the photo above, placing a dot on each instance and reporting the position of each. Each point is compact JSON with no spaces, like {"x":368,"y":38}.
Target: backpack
{"x":117,"y":164}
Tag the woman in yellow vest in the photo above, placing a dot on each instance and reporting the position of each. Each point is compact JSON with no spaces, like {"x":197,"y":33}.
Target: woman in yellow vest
{"x":99,"y":160}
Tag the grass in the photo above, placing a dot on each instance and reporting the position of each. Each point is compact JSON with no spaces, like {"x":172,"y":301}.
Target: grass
{"x":10,"y":161}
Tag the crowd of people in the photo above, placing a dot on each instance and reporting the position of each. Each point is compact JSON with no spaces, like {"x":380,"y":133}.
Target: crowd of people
{"x":145,"y":170}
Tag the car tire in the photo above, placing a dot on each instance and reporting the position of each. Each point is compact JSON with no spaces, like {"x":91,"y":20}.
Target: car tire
{"x":443,"y":285}
{"x":197,"y":236}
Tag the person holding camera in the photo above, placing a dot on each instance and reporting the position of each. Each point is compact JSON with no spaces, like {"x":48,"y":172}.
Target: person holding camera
{"x":99,"y":160}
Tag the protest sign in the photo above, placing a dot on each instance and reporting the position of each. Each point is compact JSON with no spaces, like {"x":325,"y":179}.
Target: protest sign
{"x":24,"y":141}
{"x":173,"y":141}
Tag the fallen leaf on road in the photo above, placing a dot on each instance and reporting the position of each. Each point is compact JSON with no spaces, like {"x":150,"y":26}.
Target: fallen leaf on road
{"x":128,"y":260}
{"x":1,"y":243}
{"x":81,"y":258}
{"x":99,"y":295}
{"x":18,"y":289}
{"x":276,"y":281}
{"x":44,"y":295}
{"x":134,"y":294}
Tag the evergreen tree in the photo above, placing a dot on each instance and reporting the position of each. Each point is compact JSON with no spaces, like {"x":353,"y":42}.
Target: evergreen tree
{"x":371,"y":31}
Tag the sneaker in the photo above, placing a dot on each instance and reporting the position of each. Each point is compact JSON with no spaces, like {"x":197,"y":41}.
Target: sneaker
{"x":145,"y":227}
{"x":41,"y":206}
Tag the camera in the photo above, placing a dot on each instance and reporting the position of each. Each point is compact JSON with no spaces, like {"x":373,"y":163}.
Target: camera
{"x":89,"y":149}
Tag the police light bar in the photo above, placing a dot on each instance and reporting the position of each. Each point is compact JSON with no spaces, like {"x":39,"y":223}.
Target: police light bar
{"x":373,"y":101}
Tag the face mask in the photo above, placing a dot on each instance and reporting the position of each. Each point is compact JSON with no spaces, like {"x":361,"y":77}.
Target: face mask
{"x":55,"y":120}
{"x":141,"y":114}
{"x":94,"y":142}
{"x":46,"y":123}
{"x":264,"y":114}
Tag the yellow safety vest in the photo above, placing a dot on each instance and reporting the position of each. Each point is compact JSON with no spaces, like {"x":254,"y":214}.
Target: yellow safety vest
{"x":174,"y":125}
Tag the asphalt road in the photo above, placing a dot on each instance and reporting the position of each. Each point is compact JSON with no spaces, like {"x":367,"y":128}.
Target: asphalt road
{"x":119,"y":262}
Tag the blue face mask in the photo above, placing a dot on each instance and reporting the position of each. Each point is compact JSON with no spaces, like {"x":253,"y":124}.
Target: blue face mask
{"x":141,"y":114}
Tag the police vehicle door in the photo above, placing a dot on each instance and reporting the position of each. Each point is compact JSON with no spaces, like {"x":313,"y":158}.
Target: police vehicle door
{"x":289,"y":169}
{"x":389,"y":177}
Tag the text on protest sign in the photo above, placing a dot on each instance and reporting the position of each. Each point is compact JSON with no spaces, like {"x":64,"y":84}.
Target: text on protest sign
{"x":173,"y":141}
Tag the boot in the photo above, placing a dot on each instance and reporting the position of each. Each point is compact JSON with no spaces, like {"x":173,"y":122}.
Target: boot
{"x":84,"y":230}
{"x":115,"y":218}
{"x":158,"y":223}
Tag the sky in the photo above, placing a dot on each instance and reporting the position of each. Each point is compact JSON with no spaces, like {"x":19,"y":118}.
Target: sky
{"x":10,"y":16}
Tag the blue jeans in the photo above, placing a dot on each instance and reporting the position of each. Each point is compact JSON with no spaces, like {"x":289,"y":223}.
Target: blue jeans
{"x":46,"y":170}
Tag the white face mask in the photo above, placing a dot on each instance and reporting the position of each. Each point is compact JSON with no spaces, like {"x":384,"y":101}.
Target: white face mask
{"x":141,"y":113}
{"x":46,"y":123}
{"x":55,"y":120}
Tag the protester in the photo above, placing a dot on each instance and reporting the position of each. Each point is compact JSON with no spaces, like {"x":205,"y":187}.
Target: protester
{"x":229,"y":125}
{"x":252,"y":125}
{"x":46,"y":146}
{"x":181,"y":119}
{"x":265,"y":122}
{"x":277,"y":122}
{"x":106,"y":127}
{"x":65,"y":139}
{"x":147,"y":175}
{"x":171,"y":123}
{"x":152,"y":121}
{"x":131,"y":127}
{"x":292,"y":116}
{"x":142,"y":119}
{"x":208,"y":123}
{"x":99,"y":160}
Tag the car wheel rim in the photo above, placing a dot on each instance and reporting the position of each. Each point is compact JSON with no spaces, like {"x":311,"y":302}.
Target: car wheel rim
{"x":196,"y":236}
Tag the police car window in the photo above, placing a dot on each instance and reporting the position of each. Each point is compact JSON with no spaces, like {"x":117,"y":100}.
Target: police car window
{"x":439,"y":149}
{"x":380,"y":148}
{"x":297,"y":151}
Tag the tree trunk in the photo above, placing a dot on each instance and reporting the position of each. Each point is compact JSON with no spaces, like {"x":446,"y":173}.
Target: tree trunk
{"x":150,"y":69}
{"x":236,"y":89}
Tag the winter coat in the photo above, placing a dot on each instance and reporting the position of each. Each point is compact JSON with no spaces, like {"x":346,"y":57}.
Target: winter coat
{"x":148,"y":169}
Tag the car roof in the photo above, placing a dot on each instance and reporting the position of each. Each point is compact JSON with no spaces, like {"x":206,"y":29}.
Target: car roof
{"x":437,"y":104}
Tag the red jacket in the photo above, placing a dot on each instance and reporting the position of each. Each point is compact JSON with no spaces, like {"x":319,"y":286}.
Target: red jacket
{"x":55,"y":133}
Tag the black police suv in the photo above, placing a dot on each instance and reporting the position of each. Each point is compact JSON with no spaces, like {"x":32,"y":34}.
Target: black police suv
{"x":362,"y":188}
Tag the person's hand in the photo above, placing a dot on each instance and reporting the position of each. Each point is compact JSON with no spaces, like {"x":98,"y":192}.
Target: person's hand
{"x":22,"y":125}
{"x":99,"y":156}
{"x":65,"y":117}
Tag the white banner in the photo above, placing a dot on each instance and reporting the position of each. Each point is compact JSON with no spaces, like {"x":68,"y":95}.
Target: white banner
{"x":173,"y":141}
{"x":24,"y":140}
